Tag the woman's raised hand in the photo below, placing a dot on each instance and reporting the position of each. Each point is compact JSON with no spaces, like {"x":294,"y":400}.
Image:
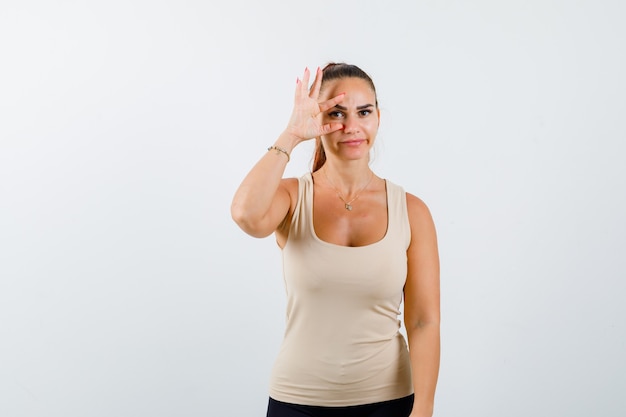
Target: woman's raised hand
{"x":304,"y":123}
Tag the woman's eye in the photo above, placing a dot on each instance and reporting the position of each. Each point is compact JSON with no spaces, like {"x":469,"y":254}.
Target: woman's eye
{"x":335,"y":114}
{"x":365,"y":112}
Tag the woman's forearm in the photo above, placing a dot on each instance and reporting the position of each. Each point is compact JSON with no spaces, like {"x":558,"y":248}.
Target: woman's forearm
{"x":424,"y":349}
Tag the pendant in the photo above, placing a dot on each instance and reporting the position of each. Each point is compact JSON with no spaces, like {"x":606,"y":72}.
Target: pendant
{"x":348,"y":206}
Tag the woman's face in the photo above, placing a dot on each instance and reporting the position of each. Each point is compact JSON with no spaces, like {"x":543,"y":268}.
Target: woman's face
{"x":358,"y":114}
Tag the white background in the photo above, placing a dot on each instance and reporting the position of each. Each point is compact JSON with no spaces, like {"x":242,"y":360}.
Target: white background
{"x":126,"y":126}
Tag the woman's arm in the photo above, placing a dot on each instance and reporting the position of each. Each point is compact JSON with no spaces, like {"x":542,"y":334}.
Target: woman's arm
{"x":262,"y":201}
{"x":421,"y":306}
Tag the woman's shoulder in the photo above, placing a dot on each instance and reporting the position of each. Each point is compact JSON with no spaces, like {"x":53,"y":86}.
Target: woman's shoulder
{"x":289,"y":182}
{"x":292,"y":183}
{"x":293,"y":186}
{"x":416,"y":207}
{"x":420,"y":217}
{"x":413,"y":202}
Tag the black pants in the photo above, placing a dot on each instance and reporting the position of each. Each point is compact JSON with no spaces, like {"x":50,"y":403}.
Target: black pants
{"x":394,"y":408}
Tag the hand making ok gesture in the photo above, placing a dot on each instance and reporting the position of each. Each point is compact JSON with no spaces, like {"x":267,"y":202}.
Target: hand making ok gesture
{"x":305,"y":122}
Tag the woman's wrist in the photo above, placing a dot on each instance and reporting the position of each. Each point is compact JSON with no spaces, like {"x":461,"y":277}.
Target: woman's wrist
{"x":422,"y":410}
{"x":284,"y":145}
{"x":287,"y":141}
{"x":280,"y":150}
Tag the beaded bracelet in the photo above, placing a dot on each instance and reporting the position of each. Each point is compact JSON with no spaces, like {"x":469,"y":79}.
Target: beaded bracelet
{"x":279,"y":150}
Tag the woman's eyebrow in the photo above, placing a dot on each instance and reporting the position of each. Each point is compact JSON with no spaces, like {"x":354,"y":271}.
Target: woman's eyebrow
{"x":364,"y":106}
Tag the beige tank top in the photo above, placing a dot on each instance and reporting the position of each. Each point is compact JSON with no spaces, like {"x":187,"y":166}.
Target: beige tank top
{"x":342,"y":344}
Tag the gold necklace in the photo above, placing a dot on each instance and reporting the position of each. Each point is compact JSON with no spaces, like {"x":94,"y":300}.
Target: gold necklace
{"x":348,"y":204}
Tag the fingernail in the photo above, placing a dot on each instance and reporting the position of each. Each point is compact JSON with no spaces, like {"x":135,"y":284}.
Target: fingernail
{"x":297,"y":80}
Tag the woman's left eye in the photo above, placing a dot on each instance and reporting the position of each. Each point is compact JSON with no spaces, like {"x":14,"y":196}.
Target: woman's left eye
{"x":365,"y":112}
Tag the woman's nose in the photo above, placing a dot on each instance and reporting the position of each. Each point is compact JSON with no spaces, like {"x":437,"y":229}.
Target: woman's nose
{"x":350,"y":125}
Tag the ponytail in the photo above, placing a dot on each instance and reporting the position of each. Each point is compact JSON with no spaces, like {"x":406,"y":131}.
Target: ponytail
{"x":319,"y":157}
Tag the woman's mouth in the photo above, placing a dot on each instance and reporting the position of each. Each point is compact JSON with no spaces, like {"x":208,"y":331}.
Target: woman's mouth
{"x":353,"y":142}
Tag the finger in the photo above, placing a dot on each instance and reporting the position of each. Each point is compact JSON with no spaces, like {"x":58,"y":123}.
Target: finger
{"x":330,"y":128}
{"x":317,"y":84}
{"x":302,"y":85}
{"x":298,"y":89}
{"x":305,"y":82}
{"x":330,"y":103}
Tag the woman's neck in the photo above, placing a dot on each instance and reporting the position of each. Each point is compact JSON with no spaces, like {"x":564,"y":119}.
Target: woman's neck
{"x":347,"y":178}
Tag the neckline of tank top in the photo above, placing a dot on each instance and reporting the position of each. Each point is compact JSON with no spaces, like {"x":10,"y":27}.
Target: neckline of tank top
{"x":335,"y":245}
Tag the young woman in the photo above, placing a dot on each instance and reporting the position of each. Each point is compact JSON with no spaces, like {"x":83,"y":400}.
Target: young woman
{"x":353,"y":246}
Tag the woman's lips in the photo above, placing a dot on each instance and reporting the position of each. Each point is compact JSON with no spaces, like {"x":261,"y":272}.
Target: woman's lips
{"x":352,"y":142}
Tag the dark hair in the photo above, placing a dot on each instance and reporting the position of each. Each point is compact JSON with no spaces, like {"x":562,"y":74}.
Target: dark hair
{"x":337,"y":71}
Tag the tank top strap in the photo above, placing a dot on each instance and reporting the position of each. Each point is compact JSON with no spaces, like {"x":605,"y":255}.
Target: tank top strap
{"x":301,"y":212}
{"x":398,"y":214}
